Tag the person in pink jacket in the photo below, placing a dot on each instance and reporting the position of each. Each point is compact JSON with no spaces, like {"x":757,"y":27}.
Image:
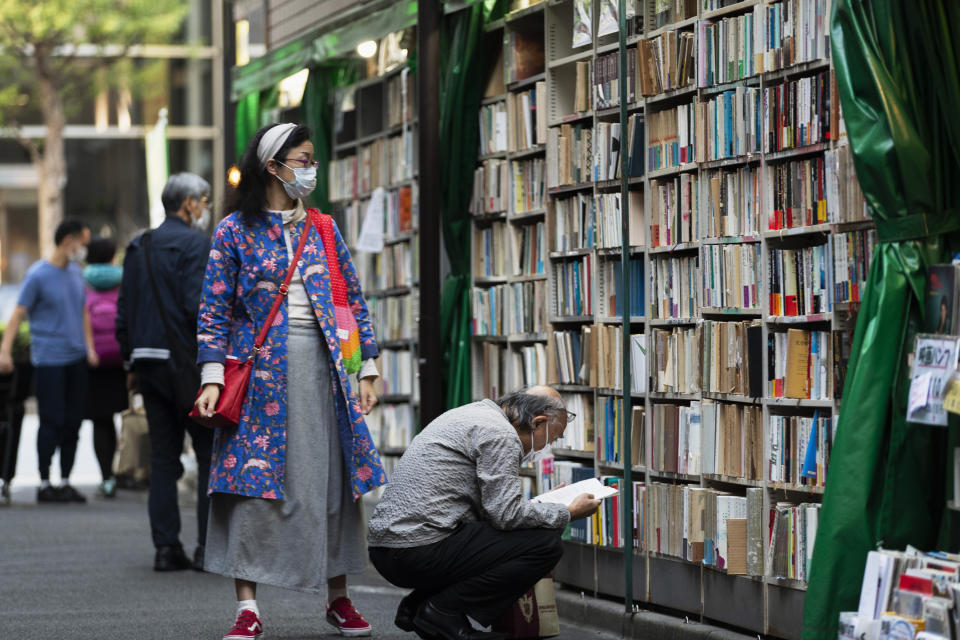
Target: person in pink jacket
{"x":107,"y":391}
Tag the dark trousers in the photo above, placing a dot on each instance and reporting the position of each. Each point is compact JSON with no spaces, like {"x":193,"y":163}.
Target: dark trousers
{"x":61,"y":396}
{"x":167,"y":427}
{"x":478,"y":570}
{"x":14,"y":389}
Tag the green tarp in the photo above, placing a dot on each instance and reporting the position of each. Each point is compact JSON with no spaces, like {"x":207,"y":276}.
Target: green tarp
{"x":896,"y":69}
{"x":460,"y":138}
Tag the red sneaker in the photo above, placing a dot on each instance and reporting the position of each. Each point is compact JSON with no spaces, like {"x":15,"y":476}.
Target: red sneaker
{"x":247,"y":627}
{"x":342,"y":614}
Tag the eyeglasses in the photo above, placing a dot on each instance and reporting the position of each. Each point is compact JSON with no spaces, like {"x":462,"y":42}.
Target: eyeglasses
{"x":313,"y":164}
{"x":571,"y":416}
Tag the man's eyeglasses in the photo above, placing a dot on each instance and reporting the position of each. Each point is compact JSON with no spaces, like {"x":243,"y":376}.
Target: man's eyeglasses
{"x":313,"y":164}
{"x":571,"y":416}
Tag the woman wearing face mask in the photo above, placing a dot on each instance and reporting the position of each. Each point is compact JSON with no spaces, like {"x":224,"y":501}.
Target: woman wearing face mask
{"x":286,"y":484}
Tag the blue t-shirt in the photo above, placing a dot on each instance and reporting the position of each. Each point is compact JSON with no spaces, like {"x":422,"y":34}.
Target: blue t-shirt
{"x":55,"y":300}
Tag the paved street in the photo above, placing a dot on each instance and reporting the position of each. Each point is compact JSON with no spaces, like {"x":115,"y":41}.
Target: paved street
{"x":85,"y":572}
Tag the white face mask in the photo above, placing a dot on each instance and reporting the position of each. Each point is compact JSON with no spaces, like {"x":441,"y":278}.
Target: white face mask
{"x":78,"y":255}
{"x":304,"y":182}
{"x":533,"y":454}
{"x":203,"y":222}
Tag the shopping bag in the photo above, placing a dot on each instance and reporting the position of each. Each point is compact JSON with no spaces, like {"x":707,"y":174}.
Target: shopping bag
{"x":534,"y":615}
{"x":133,"y":450}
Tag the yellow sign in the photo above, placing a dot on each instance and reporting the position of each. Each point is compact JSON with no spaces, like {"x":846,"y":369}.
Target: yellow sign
{"x":951,"y":401}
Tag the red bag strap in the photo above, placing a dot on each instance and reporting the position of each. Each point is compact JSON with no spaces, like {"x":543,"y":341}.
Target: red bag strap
{"x":338,"y":285}
{"x":284,"y":288}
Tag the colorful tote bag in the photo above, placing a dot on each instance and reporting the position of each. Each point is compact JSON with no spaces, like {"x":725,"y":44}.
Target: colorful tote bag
{"x":347,"y":331}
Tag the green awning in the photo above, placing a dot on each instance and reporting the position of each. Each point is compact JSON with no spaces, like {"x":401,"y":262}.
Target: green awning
{"x":318,"y":46}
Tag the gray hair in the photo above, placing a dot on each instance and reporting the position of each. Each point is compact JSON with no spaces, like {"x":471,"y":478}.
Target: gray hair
{"x":521,"y":407}
{"x":181,"y":186}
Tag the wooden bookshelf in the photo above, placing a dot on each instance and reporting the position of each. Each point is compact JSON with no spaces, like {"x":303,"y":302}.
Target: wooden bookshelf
{"x":747,"y":175}
{"x":374,"y":155}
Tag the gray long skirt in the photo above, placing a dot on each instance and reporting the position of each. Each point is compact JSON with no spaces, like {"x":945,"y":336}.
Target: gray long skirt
{"x":317,"y":531}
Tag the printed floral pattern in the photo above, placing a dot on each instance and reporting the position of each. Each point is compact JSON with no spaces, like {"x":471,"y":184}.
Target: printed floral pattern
{"x":245,"y":261}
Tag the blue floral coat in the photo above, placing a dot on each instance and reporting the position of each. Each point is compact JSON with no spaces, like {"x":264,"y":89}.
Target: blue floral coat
{"x":247,"y":265}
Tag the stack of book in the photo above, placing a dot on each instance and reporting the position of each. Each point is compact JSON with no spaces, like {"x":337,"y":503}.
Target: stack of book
{"x":579,"y":434}
{"x":845,"y":201}
{"x":491,"y":251}
{"x":508,"y":309}
{"x":797,"y":113}
{"x":527,"y":118}
{"x":790,"y":32}
{"x":852,"y":255}
{"x":797,"y":194}
{"x":729,"y":125}
{"x":610,"y":432}
{"x":400,"y":92}
{"x":488,"y":374}
{"x":569,"y":155}
{"x":493,"y":128}
{"x":342,"y":175}
{"x":393,"y":316}
{"x":529,"y":249}
{"x":606,"y":159}
{"x":612,"y":274}
{"x":491,"y":186}
{"x":396,"y":371}
{"x":573,"y":356}
{"x":792,"y":534}
{"x":676,"y":438}
{"x":528,"y":185}
{"x":574,"y":285}
{"x":726,"y":50}
{"x":610,"y":221}
{"x":606,"y":80}
{"x":574,"y":222}
{"x":391,"y":425}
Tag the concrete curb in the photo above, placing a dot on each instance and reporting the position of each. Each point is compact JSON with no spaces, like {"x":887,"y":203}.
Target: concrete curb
{"x":609,"y":617}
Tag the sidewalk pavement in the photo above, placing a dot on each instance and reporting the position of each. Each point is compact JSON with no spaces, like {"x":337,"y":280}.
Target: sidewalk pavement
{"x":78,"y":572}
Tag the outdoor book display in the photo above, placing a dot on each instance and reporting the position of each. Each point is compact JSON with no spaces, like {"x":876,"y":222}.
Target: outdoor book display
{"x":749,"y":247}
{"x":373,"y":171}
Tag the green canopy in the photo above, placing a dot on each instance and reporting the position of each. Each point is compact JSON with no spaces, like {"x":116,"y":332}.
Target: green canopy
{"x":897,"y":72}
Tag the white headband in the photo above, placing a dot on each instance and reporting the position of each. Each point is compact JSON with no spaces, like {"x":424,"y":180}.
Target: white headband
{"x":272,"y":140}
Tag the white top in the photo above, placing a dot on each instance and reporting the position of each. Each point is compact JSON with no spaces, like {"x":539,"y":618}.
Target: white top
{"x":299,"y":306}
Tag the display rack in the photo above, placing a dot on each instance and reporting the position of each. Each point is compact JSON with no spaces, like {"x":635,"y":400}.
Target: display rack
{"x":705,"y":238}
{"x":375,"y":156}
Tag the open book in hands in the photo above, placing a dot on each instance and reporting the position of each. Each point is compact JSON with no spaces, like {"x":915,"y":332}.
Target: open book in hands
{"x":566,"y":495}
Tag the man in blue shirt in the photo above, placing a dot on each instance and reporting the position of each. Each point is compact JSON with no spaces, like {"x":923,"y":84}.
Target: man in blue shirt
{"x":61,"y":342}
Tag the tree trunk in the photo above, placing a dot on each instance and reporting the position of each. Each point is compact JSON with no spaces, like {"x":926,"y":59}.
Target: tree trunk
{"x":51,"y":163}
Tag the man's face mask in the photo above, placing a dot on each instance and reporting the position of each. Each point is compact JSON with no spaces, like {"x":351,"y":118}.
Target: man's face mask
{"x":533,"y":454}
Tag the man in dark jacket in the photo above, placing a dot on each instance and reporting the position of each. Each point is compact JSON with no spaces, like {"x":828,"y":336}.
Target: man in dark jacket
{"x":156,"y":328}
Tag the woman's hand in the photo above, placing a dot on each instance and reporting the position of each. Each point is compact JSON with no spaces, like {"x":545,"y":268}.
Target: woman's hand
{"x":368,"y":395}
{"x":207,"y":401}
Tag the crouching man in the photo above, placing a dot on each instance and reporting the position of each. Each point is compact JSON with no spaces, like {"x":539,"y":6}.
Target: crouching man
{"x":453,"y":524}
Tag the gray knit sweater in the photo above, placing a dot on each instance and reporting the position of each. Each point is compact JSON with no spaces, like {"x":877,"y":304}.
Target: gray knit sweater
{"x":464,"y":466}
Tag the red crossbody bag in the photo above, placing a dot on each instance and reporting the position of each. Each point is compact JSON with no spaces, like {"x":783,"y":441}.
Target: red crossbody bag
{"x":236,"y":372}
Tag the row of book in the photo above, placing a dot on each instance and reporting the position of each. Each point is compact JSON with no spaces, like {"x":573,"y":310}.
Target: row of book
{"x":391,"y":425}
{"x":574,"y":225}
{"x":517,"y":186}
{"x":396,"y":372}
{"x":672,"y":137}
{"x":396,"y":266}
{"x":612,"y":273}
{"x":906,"y":594}
{"x":731,"y":275}
{"x":500,"y":369}
{"x":528,"y":186}
{"x":502,"y":249}
{"x":797,"y":193}
{"x":491,"y":188}
{"x":799,"y":281}
{"x":582,"y":95}
{"x":728,"y":49}
{"x":527,"y":118}
{"x":400,"y":96}
{"x":676,"y":355}
{"x":606,"y":80}
{"x":731,"y":440}
{"x":573,"y":279}
{"x":591,"y":355}
{"x":569,"y":155}
{"x":493,"y":128}
{"x":707,"y":526}
{"x":800,"y":449}
{"x":579,"y":434}
{"x":394,"y":317}
{"x":675,"y":442}
{"x":792,"y":535}
{"x":731,"y":202}
{"x":382,"y":163}
{"x":675,"y":288}
{"x":728,"y":125}
{"x":732,"y":355}
{"x":611,"y":440}
{"x":509,"y":309}
{"x":673,"y":210}
{"x":665,"y":63}
{"x":800,"y":364}
{"x":852,"y":255}
{"x":798,"y":113}
{"x":610,"y":221}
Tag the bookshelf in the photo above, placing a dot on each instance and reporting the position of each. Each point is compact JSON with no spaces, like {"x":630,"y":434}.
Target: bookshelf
{"x":373,"y":171}
{"x":752,"y":242}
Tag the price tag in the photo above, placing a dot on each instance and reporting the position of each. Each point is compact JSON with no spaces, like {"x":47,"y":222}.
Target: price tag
{"x":951,"y":401}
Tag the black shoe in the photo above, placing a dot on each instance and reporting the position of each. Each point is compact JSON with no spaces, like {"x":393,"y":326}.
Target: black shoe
{"x":407,"y":611}
{"x":49,"y":493}
{"x":198,"y":558}
{"x":171,"y":558}
{"x":69,"y":494}
{"x":448,"y":626}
